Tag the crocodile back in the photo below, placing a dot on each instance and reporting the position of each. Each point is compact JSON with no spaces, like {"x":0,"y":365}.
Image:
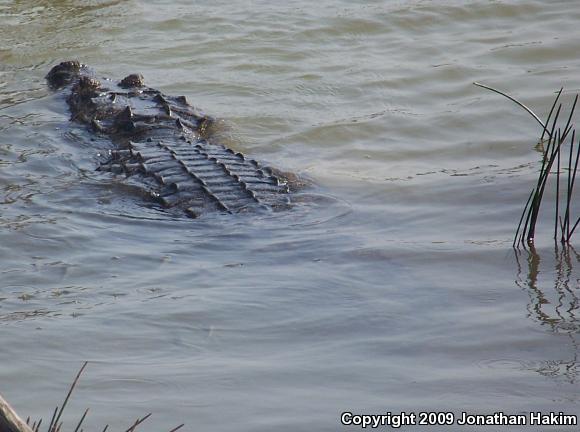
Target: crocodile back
{"x":200,"y":177}
{"x":163,"y":143}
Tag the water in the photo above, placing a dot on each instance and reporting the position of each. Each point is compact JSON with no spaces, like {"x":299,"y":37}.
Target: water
{"x":397,"y":290}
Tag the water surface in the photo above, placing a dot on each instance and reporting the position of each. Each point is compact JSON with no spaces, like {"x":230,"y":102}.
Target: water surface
{"x":397,"y":290}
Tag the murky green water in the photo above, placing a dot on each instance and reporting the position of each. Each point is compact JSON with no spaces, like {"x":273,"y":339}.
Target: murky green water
{"x":400,"y":292}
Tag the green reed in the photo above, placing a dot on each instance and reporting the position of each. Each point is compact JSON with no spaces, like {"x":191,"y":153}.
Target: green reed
{"x":555,"y":158}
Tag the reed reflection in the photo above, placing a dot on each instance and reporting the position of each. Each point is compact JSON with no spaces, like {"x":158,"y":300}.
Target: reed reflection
{"x":554,"y":290}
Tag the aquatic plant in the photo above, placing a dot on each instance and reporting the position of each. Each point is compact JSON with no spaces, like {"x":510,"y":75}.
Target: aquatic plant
{"x":11,"y":422}
{"x":554,"y":153}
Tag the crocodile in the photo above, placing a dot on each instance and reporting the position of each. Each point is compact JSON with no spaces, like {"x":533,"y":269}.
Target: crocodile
{"x":164,"y":144}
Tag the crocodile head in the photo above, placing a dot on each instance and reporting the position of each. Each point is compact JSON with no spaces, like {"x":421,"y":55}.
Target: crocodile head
{"x":64,"y":73}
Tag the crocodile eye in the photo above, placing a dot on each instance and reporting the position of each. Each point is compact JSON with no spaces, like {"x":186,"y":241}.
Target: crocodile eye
{"x":133,"y":80}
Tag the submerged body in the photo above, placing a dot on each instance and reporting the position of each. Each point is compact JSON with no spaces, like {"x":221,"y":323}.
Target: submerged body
{"x":162,"y":144}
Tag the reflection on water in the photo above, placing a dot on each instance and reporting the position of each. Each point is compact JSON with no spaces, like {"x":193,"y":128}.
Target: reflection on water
{"x":554,"y":291}
{"x":553,"y":302}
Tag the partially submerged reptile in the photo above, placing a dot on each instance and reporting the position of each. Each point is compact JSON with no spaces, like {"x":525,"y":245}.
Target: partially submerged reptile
{"x":161,"y":142}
